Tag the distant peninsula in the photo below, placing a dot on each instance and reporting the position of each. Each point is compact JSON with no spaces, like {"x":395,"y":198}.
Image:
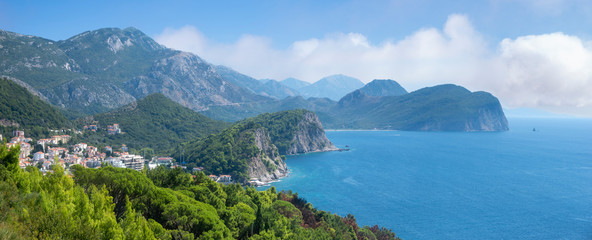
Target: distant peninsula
{"x":385,"y":105}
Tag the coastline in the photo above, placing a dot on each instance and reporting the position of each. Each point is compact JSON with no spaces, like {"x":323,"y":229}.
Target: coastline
{"x":281,"y":175}
{"x":262,"y":183}
{"x":360,"y":130}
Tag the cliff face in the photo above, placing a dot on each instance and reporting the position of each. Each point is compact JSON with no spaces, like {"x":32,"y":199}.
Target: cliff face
{"x":309,"y":136}
{"x":295,"y":131}
{"x":489,"y":119}
{"x":267,"y":165}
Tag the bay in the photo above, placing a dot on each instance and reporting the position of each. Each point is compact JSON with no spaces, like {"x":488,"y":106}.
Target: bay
{"x":520,"y":184}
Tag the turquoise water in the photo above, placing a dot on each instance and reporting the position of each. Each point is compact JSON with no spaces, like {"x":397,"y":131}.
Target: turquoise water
{"x":518,"y":184}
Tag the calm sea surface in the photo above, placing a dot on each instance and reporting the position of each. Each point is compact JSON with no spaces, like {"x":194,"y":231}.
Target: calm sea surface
{"x":520,"y":184}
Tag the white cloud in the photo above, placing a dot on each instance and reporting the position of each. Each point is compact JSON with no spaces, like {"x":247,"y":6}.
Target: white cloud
{"x":550,"y":71}
{"x":546,"y":71}
{"x":187,"y":38}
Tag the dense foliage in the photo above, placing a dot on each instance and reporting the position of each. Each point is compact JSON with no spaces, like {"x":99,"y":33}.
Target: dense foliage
{"x":154,"y":122}
{"x":227,"y":152}
{"x":118,"y":203}
{"x":18,"y":105}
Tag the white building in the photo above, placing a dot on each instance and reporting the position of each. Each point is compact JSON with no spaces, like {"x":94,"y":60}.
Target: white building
{"x":133,"y":161}
{"x":39,"y":156}
{"x":115,"y":162}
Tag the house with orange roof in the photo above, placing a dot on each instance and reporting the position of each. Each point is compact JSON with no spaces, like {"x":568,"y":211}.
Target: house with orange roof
{"x":225,"y":179}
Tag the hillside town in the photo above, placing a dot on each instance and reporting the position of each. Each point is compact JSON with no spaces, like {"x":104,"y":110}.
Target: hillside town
{"x":46,"y":152}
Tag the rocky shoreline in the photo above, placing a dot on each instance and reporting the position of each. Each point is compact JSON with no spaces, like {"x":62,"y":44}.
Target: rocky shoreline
{"x":278,"y":175}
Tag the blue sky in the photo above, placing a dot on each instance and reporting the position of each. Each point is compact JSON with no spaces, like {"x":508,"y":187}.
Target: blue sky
{"x":288,"y":21}
{"x":528,"y":53}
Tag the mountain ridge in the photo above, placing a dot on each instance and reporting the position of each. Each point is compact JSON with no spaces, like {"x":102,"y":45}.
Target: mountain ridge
{"x":103,"y":69}
{"x":383,"y":87}
{"x":155,"y":121}
{"x":21,"y":110}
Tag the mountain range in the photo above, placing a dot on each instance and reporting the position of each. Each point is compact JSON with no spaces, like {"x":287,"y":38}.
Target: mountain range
{"x":107,"y":68}
{"x":269,"y":88}
{"x":98,"y":71}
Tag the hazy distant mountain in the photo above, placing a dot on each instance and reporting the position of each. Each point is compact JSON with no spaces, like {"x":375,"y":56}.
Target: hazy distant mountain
{"x":381,"y":88}
{"x":269,"y":88}
{"x":103,"y":69}
{"x":278,"y":90}
{"x":333,"y":87}
{"x":294,"y":83}
{"x":265,"y":80}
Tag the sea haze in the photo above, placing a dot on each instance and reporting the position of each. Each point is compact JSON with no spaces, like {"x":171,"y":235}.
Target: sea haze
{"x":520,"y":184}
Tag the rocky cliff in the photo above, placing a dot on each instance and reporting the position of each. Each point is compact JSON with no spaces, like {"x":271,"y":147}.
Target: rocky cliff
{"x":309,"y":136}
{"x":295,"y":131}
{"x":267,"y":165}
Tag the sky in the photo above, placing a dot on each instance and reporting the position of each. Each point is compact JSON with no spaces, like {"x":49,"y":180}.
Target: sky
{"x":528,"y":53}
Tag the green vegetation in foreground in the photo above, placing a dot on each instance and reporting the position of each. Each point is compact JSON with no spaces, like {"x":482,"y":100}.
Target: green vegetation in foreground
{"x":117,"y":203}
{"x":35,"y":116}
{"x":154,"y":122}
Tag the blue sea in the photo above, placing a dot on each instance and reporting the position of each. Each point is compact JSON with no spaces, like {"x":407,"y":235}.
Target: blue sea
{"x":520,"y":184}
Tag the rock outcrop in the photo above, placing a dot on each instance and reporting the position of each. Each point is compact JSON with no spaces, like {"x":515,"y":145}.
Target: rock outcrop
{"x":295,"y":131}
{"x":310,"y":136}
{"x":267,"y":165}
